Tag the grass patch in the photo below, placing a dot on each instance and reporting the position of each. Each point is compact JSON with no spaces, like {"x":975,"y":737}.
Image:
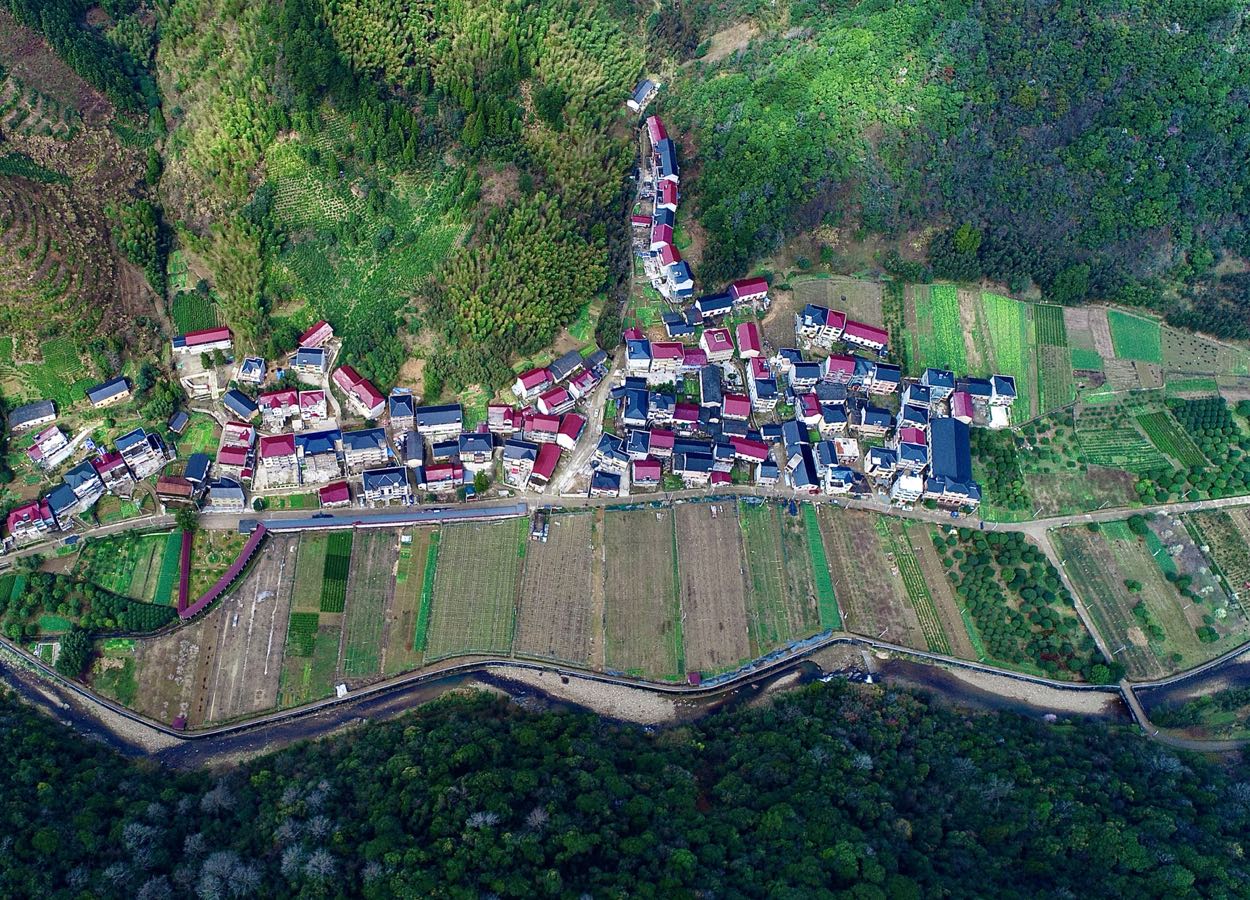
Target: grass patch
{"x":334,"y":573}
{"x":830,"y":616}
{"x":1135,"y":338}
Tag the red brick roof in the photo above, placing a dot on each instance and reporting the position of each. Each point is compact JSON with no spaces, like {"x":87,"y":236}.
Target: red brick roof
{"x":656,"y":130}
{"x":667,"y":350}
{"x":548,"y":459}
{"x":757,"y":450}
{"x":337,"y":492}
{"x":717,"y":340}
{"x":685,"y":412}
{"x":647,"y":470}
{"x":662,"y":439}
{"x":748,"y":334}
{"x":277,"y":399}
{"x":911,"y":435}
{"x":865,"y":332}
{"x":534,"y":378}
{"x":748,"y":287}
{"x":736,"y":405}
{"x":835,"y":319}
{"x":276,"y":445}
{"x":571,"y":425}
{"x":317,"y":335}
{"x":206,"y":336}
{"x":669,"y":254}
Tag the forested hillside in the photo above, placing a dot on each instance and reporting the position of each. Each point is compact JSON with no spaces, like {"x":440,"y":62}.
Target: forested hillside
{"x":1088,"y":148}
{"x":834,"y":791}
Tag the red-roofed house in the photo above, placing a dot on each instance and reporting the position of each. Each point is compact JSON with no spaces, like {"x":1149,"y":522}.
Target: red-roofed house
{"x":30,"y":521}
{"x":277,"y":449}
{"x":807,"y":410}
{"x":336,"y":494}
{"x":640,"y":221}
{"x":911,"y":435}
{"x":961,"y":406}
{"x":749,"y":290}
{"x":632,"y":334}
{"x":317,"y":335}
{"x":555,"y":401}
{"x":278,"y":406}
{"x":667,"y":356}
{"x":203,"y":341}
{"x":666,"y":196}
{"x":646,"y":472}
{"x":717,"y":344}
{"x":736,"y":406}
{"x":545,"y":465}
{"x":862,"y":335}
{"x":660,"y":236}
{"x":751,"y":451}
{"x":749,"y":344}
{"x":583,"y":383}
{"x":685,"y":415}
{"x":114,"y":472}
{"x":363,"y":396}
{"x":838,"y":369}
{"x":47,"y":446}
{"x":312,"y":406}
{"x":656,"y":131}
{"x":721,"y":478}
{"x":542,"y":429}
{"x":442,"y":478}
{"x":758,"y":369}
{"x":532,"y":383}
{"x":571,"y":428}
{"x":693,"y":359}
{"x":662,"y":441}
{"x":501,"y":419}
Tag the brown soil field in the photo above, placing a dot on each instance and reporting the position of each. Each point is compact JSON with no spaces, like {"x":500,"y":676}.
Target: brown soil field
{"x":869,"y":588}
{"x":713,"y":587}
{"x":555,"y":619}
{"x":28,"y":56}
{"x":227,"y":664}
{"x":642,"y":630}
{"x":802,"y":608}
{"x":943,"y":593}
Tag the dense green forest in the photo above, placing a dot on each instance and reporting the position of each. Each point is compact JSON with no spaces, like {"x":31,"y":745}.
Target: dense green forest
{"x":1089,"y":148}
{"x":832,"y":791}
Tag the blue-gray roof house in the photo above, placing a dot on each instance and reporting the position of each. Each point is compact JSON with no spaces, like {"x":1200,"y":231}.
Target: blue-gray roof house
{"x":676,"y":325}
{"x":666,"y":159}
{"x":447,"y":416}
{"x":240,"y":404}
{"x":64,"y":503}
{"x":32,"y":414}
{"x":712,"y":305}
{"x":950,"y":463}
{"x":83,"y":479}
{"x":178,"y":422}
{"x":197,"y":467}
{"x":313,"y":443}
{"x":109,"y":391}
{"x":309,"y":359}
{"x":130,"y":439}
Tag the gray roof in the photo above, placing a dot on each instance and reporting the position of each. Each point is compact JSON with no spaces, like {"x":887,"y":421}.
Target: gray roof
{"x":239,"y":403}
{"x":309,"y":356}
{"x":402,"y":406}
{"x":62,"y":498}
{"x":197,"y":467}
{"x":392,"y":476}
{"x":365,"y":439}
{"x":31,"y":412}
{"x":476,"y":443}
{"x":515,"y":449}
{"x":564,"y":366}
{"x":603,"y":480}
{"x":108,"y":389}
{"x":433,"y":416}
{"x":596,"y":359}
{"x":644,"y":89}
{"x":225,"y":489}
{"x":950,"y":450}
{"x":82,"y":474}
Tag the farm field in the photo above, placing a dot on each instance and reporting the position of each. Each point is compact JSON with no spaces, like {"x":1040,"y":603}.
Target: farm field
{"x":1135,"y":337}
{"x":711,"y":578}
{"x":228,"y":663}
{"x":400,"y":653}
{"x":370,"y":591}
{"x":212,"y":552}
{"x":475,"y":589}
{"x":939,"y":332}
{"x":866,"y":579}
{"x":128,"y":564}
{"x":193,"y":311}
{"x":334,"y":573}
{"x":781,"y":593}
{"x":1055,"y":361}
{"x":898,"y":534}
{"x":1225,"y":537}
{"x":643,"y":633}
{"x":1010,"y":327}
{"x":1106,"y":436}
{"x":555,"y":619}
{"x":309,"y":568}
{"x":1154,"y":627}
{"x":310,"y":667}
{"x":1167,"y":436}
{"x":201,"y":436}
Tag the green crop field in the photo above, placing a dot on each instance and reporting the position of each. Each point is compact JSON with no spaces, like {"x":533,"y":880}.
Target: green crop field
{"x":1051,"y":329}
{"x":830,"y":615}
{"x":193,"y":311}
{"x":60,"y":377}
{"x":1168,"y":437}
{"x":1056,"y":386}
{"x":310,"y":565}
{"x":1135,"y":338}
{"x":171,"y":567}
{"x":370,"y":589}
{"x":1086,"y":359}
{"x":302,"y":633}
{"x":475,"y":589}
{"x":309,"y":677}
{"x":53,"y":624}
{"x":334,"y":574}
{"x":421,"y":635}
{"x":1011,"y":335}
{"x":781,"y":578}
{"x":200,"y":436}
{"x":941,"y":339}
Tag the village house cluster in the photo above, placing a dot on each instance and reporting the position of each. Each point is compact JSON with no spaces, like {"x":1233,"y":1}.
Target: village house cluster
{"x":658,"y":190}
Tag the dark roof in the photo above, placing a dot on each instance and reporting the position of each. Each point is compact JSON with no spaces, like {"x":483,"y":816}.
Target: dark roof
{"x":315,"y":442}
{"x":61,"y":498}
{"x":476,"y":443}
{"x":83,"y":473}
{"x":178,"y":421}
{"x":562,"y":367}
{"x":130,"y":439}
{"x":692,"y":462}
{"x":365,"y":439}
{"x":950,"y":451}
{"x":197,"y":467}
{"x":518,"y":449}
{"x":645,"y":87}
{"x":31,"y":412}
{"x":446,"y":414}
{"x":108,"y":389}
{"x":711,"y":391}
{"x":391,"y":476}
{"x":603,"y":480}
{"x":239,"y":403}
{"x":596,"y":359}
{"x":309,"y":356}
{"x":402,"y":406}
